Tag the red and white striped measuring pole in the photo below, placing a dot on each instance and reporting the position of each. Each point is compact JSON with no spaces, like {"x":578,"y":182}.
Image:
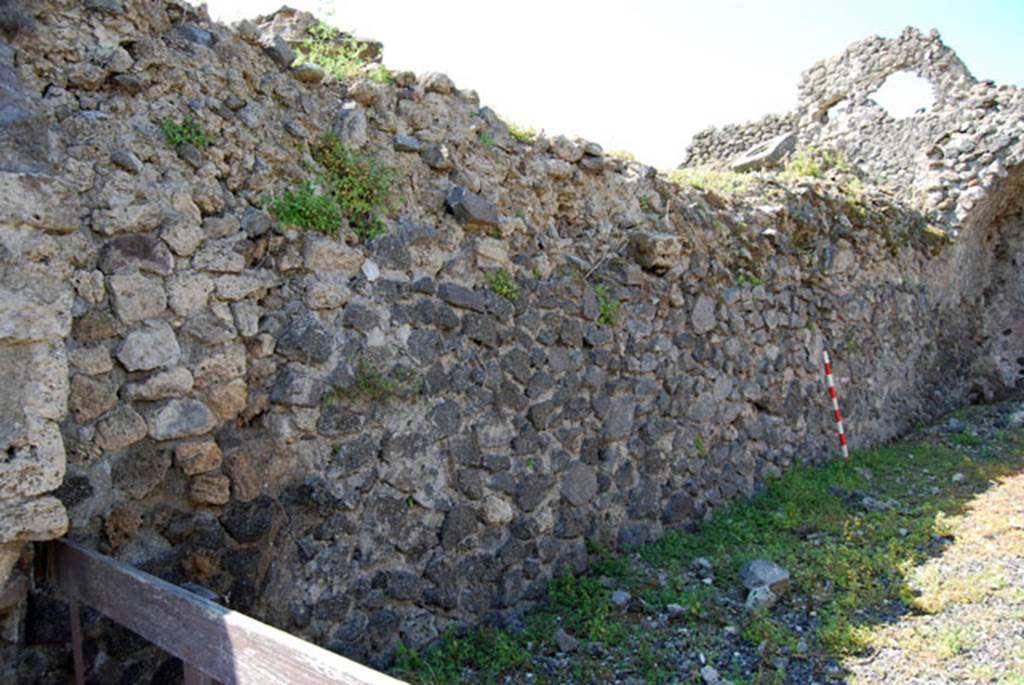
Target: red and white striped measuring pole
{"x":835,"y":404}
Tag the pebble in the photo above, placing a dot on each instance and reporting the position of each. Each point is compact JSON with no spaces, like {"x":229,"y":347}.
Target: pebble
{"x":370,"y":270}
{"x":958,"y":477}
{"x":620,"y":598}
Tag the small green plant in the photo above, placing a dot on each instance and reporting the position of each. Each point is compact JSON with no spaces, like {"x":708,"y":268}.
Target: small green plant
{"x":645,"y":204}
{"x":486,"y":138}
{"x":359,"y":184}
{"x":188,"y":130}
{"x":524,"y":134}
{"x":607,"y":305}
{"x":352,"y":186}
{"x":746,"y":279}
{"x":502,"y":284}
{"x":381,"y":74}
{"x":802,"y":165}
{"x":326,"y":48}
{"x":698,"y":445}
{"x":307,"y":207}
{"x":371,"y":383}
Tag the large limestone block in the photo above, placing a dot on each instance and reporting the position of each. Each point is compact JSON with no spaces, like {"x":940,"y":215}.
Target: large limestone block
{"x":42,"y":518}
{"x":33,"y":307}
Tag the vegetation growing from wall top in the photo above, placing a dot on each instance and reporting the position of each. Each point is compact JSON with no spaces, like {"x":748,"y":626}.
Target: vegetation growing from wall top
{"x":340,"y":58}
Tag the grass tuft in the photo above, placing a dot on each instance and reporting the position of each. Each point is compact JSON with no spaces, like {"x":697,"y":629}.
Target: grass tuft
{"x":188,"y":130}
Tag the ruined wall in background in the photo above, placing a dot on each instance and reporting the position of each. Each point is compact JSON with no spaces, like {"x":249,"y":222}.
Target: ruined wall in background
{"x":946,"y":161}
{"x":364,"y":443}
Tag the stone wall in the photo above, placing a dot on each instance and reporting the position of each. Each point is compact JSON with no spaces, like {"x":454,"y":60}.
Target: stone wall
{"x":365,"y":443}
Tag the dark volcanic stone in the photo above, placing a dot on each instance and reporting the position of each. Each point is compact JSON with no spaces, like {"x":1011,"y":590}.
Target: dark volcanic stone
{"x":249,"y":521}
{"x":462,"y":297}
{"x":471,"y":209}
{"x":135,"y":251}
{"x":306,"y":340}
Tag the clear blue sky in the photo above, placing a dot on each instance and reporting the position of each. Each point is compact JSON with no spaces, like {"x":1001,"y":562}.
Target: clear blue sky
{"x":646,"y":75}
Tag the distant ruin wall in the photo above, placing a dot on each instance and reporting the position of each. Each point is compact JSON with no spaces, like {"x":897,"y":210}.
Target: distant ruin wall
{"x":945,"y":161}
{"x":364,"y":443}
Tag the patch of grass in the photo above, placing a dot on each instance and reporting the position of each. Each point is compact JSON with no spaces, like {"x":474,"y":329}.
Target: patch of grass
{"x":371,"y":383}
{"x":486,"y":139}
{"x":698,"y":445}
{"x":801,"y":165}
{"x":352,"y":186}
{"x":607,"y":305}
{"x":484,"y":650}
{"x":325,"y":48}
{"x":624,"y":155}
{"x":711,"y":178}
{"x":188,"y":130}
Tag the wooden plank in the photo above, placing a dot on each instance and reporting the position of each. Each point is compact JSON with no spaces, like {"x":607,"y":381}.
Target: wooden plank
{"x":225,"y":645}
{"x":193,"y":676}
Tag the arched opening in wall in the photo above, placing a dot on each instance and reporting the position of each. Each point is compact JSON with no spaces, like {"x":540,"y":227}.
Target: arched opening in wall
{"x":834,"y":110}
{"x":904,"y":94}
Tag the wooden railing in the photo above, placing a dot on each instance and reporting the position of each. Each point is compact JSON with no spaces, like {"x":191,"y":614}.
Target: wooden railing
{"x":215,"y":643}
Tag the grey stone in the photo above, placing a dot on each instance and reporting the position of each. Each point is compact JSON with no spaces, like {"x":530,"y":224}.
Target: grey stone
{"x":296,"y":387}
{"x":306,"y":340}
{"x":250,"y":521}
{"x":765,"y":573}
{"x":618,"y":423}
{"x":136,"y":297}
{"x":89,"y":398}
{"x":437,"y":157}
{"x":141,"y":470}
{"x":309,"y":73}
{"x":278,"y":50}
{"x":462,"y":297}
{"x":151,"y":346}
{"x":180,"y":418}
{"x":679,"y":509}
{"x":532,"y":490}
{"x":219,"y":256}
{"x":765,"y":155}
{"x":657,"y":252}
{"x":471,"y":209}
{"x":194,"y":34}
{"x":579,"y":484}
{"x":434,"y":82}
{"x":256,"y":222}
{"x":405,"y":143}
{"x":620,"y":598}
{"x":128,"y":252}
{"x":112,"y":7}
{"x":566,"y":642}
{"x":360,"y":317}
{"x":119,"y":429}
{"x":703,"y":315}
{"x":461,"y":522}
{"x":350,"y":125}
{"x":126,"y":161}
